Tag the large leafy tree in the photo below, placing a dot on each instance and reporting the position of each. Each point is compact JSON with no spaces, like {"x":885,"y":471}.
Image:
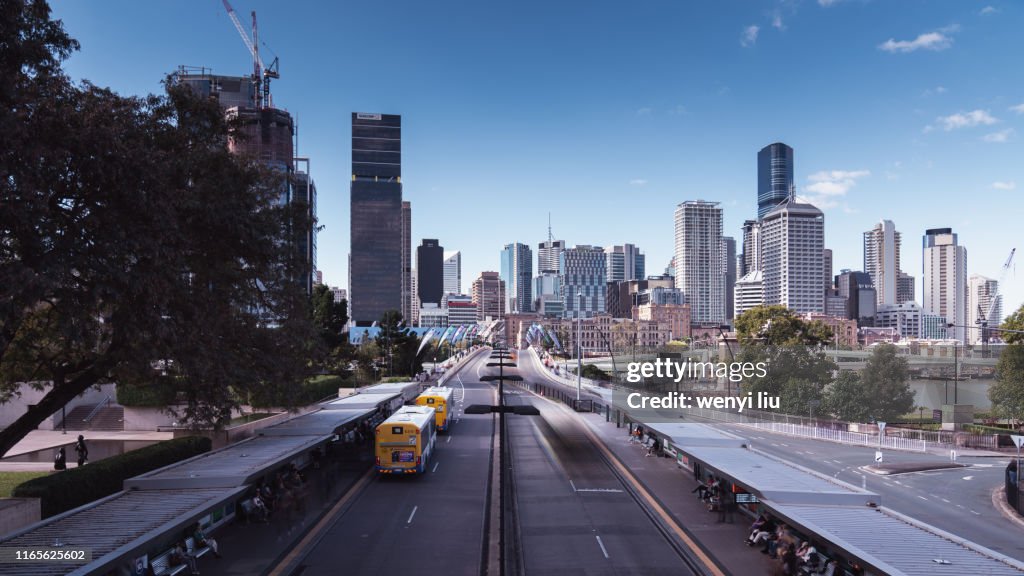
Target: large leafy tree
{"x":398,"y":345}
{"x":1007,"y":394}
{"x":779,"y":326}
{"x":880,"y":392}
{"x":134,"y":247}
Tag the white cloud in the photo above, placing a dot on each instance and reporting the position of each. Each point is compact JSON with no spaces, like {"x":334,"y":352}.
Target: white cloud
{"x":749,"y":37}
{"x":966,"y":120}
{"x":934,"y":91}
{"x":1011,"y":185}
{"x":828,"y":186}
{"x":777,"y":20}
{"x":827,"y":3}
{"x":998,"y":137}
{"x":938,"y":40}
{"x":637,"y":182}
{"x":1019,"y":108}
{"x":679,"y":110}
{"x":645,"y":111}
{"x":988,"y":10}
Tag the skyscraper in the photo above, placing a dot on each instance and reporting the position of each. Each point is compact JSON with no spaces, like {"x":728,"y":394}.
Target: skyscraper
{"x":453,"y":272}
{"x":945,"y":279}
{"x":517,"y":272}
{"x":583,"y":288}
{"x":774,"y":177}
{"x":882,"y":260}
{"x":905,"y":290}
{"x":985,"y":303}
{"x":793,"y":254}
{"x":489,"y":296}
{"x":729,"y":253}
{"x":700,"y":262}
{"x":751,"y":260}
{"x":624,"y":263}
{"x":430,"y":272}
{"x":549,"y":253}
{"x":376,"y":217}
{"x":409,"y":305}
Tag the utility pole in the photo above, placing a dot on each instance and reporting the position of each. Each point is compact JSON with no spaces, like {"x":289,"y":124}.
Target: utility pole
{"x":579,"y":343}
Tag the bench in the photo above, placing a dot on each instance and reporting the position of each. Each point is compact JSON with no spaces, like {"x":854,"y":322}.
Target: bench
{"x":190,"y":545}
{"x":162,"y":565}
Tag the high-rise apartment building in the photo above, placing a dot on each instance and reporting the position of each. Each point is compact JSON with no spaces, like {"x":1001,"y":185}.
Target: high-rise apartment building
{"x":489,"y":296}
{"x":583,"y":287}
{"x":624,"y":263}
{"x":729,"y":252}
{"x":517,"y":272}
{"x":749,"y":292}
{"x":945,"y":279}
{"x":984,"y":305}
{"x":859,"y":294}
{"x":699,"y":259}
{"x":774,"y":177}
{"x":882,"y":260}
{"x":828,"y":268}
{"x":430,"y":272}
{"x":905,"y":290}
{"x":453,"y":272}
{"x":751,"y":258}
{"x":376,"y":229}
{"x":792,"y":253}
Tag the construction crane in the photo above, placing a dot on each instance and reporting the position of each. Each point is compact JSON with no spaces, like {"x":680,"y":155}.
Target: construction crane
{"x":261,"y":74}
{"x":984,"y":315}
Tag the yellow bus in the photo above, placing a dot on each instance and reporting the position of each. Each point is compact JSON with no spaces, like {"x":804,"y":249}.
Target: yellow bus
{"x":440,"y":399}
{"x":404,"y":442}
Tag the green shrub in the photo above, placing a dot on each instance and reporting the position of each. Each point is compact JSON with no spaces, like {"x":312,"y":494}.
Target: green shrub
{"x":63,"y":491}
{"x":145,"y":395}
{"x":310,"y":392}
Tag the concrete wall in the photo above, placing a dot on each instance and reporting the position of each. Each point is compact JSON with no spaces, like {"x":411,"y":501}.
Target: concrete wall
{"x":17,"y":513}
{"x":18,"y":405}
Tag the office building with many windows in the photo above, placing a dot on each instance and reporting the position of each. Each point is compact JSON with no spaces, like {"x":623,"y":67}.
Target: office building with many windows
{"x":699,"y":259}
{"x":517,"y":272}
{"x":945,"y":279}
{"x":583,"y":288}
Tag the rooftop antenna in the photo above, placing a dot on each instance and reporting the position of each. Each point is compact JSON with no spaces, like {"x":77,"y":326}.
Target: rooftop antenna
{"x":551,"y":237}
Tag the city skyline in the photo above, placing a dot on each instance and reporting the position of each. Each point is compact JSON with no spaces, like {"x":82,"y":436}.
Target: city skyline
{"x":681,"y":109}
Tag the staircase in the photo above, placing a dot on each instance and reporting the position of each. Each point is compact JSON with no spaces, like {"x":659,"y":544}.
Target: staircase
{"x":75,"y":420}
{"x":108,"y":419}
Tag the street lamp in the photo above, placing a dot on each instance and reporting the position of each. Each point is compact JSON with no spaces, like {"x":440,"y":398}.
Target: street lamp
{"x":579,"y":343}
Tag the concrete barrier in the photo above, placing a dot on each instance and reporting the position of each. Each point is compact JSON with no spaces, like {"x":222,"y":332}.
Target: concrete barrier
{"x":17,"y":513}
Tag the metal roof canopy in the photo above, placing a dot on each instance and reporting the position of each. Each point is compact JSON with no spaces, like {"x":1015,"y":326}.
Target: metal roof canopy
{"x":772,"y":479}
{"x":361,"y":400}
{"x":689,"y":434}
{"x":228,"y":467}
{"x":893,"y":543}
{"x":319,"y":423}
{"x":116,"y":528}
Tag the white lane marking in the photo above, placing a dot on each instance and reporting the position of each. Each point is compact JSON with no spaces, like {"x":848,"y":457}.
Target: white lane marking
{"x":436,"y":464}
{"x":975,"y":513}
{"x":922,"y":498}
{"x":967,"y":478}
{"x":811,"y":453}
{"x":573,"y":486}
{"x":784,"y":444}
{"x":898,"y":482}
{"x":613,"y":490}
{"x":774,"y":444}
{"x":409,"y":521}
{"x":448,"y":440}
{"x":944,"y":500}
{"x":601,"y":544}
{"x":982,"y":466}
{"x":837,"y":461}
{"x":961,"y":506}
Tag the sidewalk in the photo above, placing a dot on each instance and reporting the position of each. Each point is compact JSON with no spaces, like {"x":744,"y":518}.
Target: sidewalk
{"x":673,"y":485}
{"x":52,"y":439}
{"x":251,"y":549}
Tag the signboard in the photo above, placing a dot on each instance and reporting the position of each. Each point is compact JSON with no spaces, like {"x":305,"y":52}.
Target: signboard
{"x":402,"y":456}
{"x":1018,"y":440}
{"x":365,"y":116}
{"x":937,"y":415}
{"x":878,"y":455}
{"x":881,"y":428}
{"x":746,"y":499}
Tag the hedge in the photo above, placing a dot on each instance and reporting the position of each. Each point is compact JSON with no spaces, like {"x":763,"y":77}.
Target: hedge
{"x":310,"y":392}
{"x":63,"y":491}
{"x":148,"y":396}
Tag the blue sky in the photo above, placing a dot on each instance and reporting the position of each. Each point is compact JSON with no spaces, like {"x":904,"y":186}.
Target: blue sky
{"x":609,"y":114}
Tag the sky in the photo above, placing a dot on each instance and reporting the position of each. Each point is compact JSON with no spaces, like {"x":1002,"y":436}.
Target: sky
{"x":609,"y":114}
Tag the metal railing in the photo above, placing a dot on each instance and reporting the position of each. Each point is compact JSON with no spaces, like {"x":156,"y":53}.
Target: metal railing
{"x":103,"y":404}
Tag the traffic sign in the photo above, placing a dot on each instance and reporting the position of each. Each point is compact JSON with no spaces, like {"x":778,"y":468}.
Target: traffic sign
{"x":881,"y":428}
{"x":1018,"y":440}
{"x":878,"y":455}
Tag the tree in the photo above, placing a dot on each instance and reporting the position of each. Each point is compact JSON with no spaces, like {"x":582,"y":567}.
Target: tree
{"x":1007,"y":394}
{"x":779,"y":326}
{"x":886,"y":378}
{"x":135,"y":248}
{"x":1014,"y":322}
{"x":797,"y":375}
{"x":398,"y":345}
{"x":329,"y":317}
{"x":845,"y":399}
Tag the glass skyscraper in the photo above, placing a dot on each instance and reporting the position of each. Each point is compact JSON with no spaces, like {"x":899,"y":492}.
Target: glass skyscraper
{"x":376,"y":267}
{"x":774,"y":176}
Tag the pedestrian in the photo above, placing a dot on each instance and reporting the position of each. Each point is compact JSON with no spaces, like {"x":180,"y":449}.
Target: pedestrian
{"x":82,"y":450}
{"x":201,"y":541}
{"x":60,"y":460}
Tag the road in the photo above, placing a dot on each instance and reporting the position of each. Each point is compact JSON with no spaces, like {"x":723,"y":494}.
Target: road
{"x":575,"y":515}
{"x":957,"y":500}
{"x":426,"y":525}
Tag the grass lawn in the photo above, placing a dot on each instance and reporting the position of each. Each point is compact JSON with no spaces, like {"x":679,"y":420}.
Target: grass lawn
{"x":8,"y":480}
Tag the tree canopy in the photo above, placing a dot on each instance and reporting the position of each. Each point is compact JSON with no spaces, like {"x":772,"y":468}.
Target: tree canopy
{"x":1007,"y":394}
{"x":779,"y":326}
{"x":135,"y":248}
{"x":880,"y":392}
